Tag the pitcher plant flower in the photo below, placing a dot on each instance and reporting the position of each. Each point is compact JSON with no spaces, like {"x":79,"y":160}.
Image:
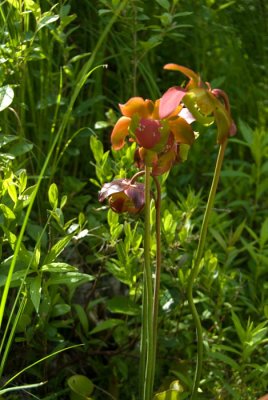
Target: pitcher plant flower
{"x":123,"y":196}
{"x":158,"y":139}
{"x":205,"y":104}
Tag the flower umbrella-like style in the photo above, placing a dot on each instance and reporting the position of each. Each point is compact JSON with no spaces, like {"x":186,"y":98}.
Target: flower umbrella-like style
{"x":158,"y":139}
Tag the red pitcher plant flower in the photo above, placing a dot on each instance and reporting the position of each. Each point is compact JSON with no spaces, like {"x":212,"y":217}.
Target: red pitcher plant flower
{"x":158,"y":139}
{"x":123,"y":195}
{"x":205,"y":104}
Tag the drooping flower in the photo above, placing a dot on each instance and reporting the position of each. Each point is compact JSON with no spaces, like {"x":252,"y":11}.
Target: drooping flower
{"x":158,"y":139}
{"x":123,"y":195}
{"x":205,"y":105}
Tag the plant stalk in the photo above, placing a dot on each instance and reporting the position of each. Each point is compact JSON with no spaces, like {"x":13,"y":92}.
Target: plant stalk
{"x":195,"y":269}
{"x":158,"y":267}
{"x":147,"y":316}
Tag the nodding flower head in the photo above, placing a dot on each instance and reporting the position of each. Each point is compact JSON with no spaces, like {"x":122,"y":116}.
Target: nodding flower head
{"x":123,"y":196}
{"x":205,"y":105}
{"x":158,"y":138}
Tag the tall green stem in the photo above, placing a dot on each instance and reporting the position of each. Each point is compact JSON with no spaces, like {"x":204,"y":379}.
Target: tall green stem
{"x":158,"y":267}
{"x":194,"y":271}
{"x":147,"y":345}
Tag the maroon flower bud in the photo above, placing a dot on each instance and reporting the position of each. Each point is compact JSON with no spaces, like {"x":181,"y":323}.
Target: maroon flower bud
{"x":123,"y":196}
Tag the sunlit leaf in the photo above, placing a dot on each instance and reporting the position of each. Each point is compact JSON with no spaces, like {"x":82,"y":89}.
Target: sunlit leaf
{"x":35,"y":292}
{"x":46,"y":20}
{"x":81,"y":386}
{"x":108,"y":324}
{"x":6,"y":97}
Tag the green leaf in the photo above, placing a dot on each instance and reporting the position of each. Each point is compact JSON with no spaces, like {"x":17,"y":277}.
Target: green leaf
{"x":5,"y":139}
{"x":7,"y":212}
{"x":82,"y":315}
{"x":164,"y":3}
{"x":108,"y":324}
{"x":6,"y":97}
{"x":21,"y":148}
{"x":70,"y":279}
{"x":53,"y":195}
{"x":34,"y":7}
{"x":35,"y":292}
{"x":46,"y":20}
{"x":58,"y":267}
{"x":58,"y":248}
{"x":224,"y":358}
{"x":123,"y":305}
{"x":237,"y":233}
{"x":81,"y":386}
{"x":11,"y":188}
{"x":14,"y":3}
{"x":22,"y":181}
{"x":246,"y":131}
{"x":239,"y":329}
{"x":60,"y":309}
{"x":169,"y":394}
{"x":97,"y":148}
{"x":264,"y":233}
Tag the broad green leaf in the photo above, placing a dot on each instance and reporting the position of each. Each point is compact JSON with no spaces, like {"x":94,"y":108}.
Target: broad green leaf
{"x":123,"y":305}
{"x":11,"y":188}
{"x":15,"y":3}
{"x":5,"y":139}
{"x":11,"y":237}
{"x":22,"y":181}
{"x":35,"y":292}
{"x":20,"y":148}
{"x":108,"y":324}
{"x":58,"y":267}
{"x":58,"y":248}
{"x":46,"y":20}
{"x":69,"y":279}
{"x":82,"y":316}
{"x":6,"y":97}
{"x":34,"y":7}
{"x":164,"y":3}
{"x":81,"y":386}
{"x":7,"y":212}
{"x":60,"y":309}
{"x":246,"y":131}
{"x":224,"y":358}
{"x":63,"y":201}
{"x":53,"y":195}
{"x":96,"y":148}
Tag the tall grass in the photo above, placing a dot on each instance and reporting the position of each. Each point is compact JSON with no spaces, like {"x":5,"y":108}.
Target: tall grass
{"x":52,"y":56}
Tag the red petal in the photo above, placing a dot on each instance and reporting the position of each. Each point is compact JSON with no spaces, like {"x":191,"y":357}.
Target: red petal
{"x":108,"y":189}
{"x":165,"y":162}
{"x":120,"y":132}
{"x":182,"y":131}
{"x":137,"y":105}
{"x":136,"y":193}
{"x":194,"y":78}
{"x":170,"y":100}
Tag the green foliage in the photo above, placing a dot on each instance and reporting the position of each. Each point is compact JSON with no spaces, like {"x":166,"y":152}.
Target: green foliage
{"x":70,"y":272}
